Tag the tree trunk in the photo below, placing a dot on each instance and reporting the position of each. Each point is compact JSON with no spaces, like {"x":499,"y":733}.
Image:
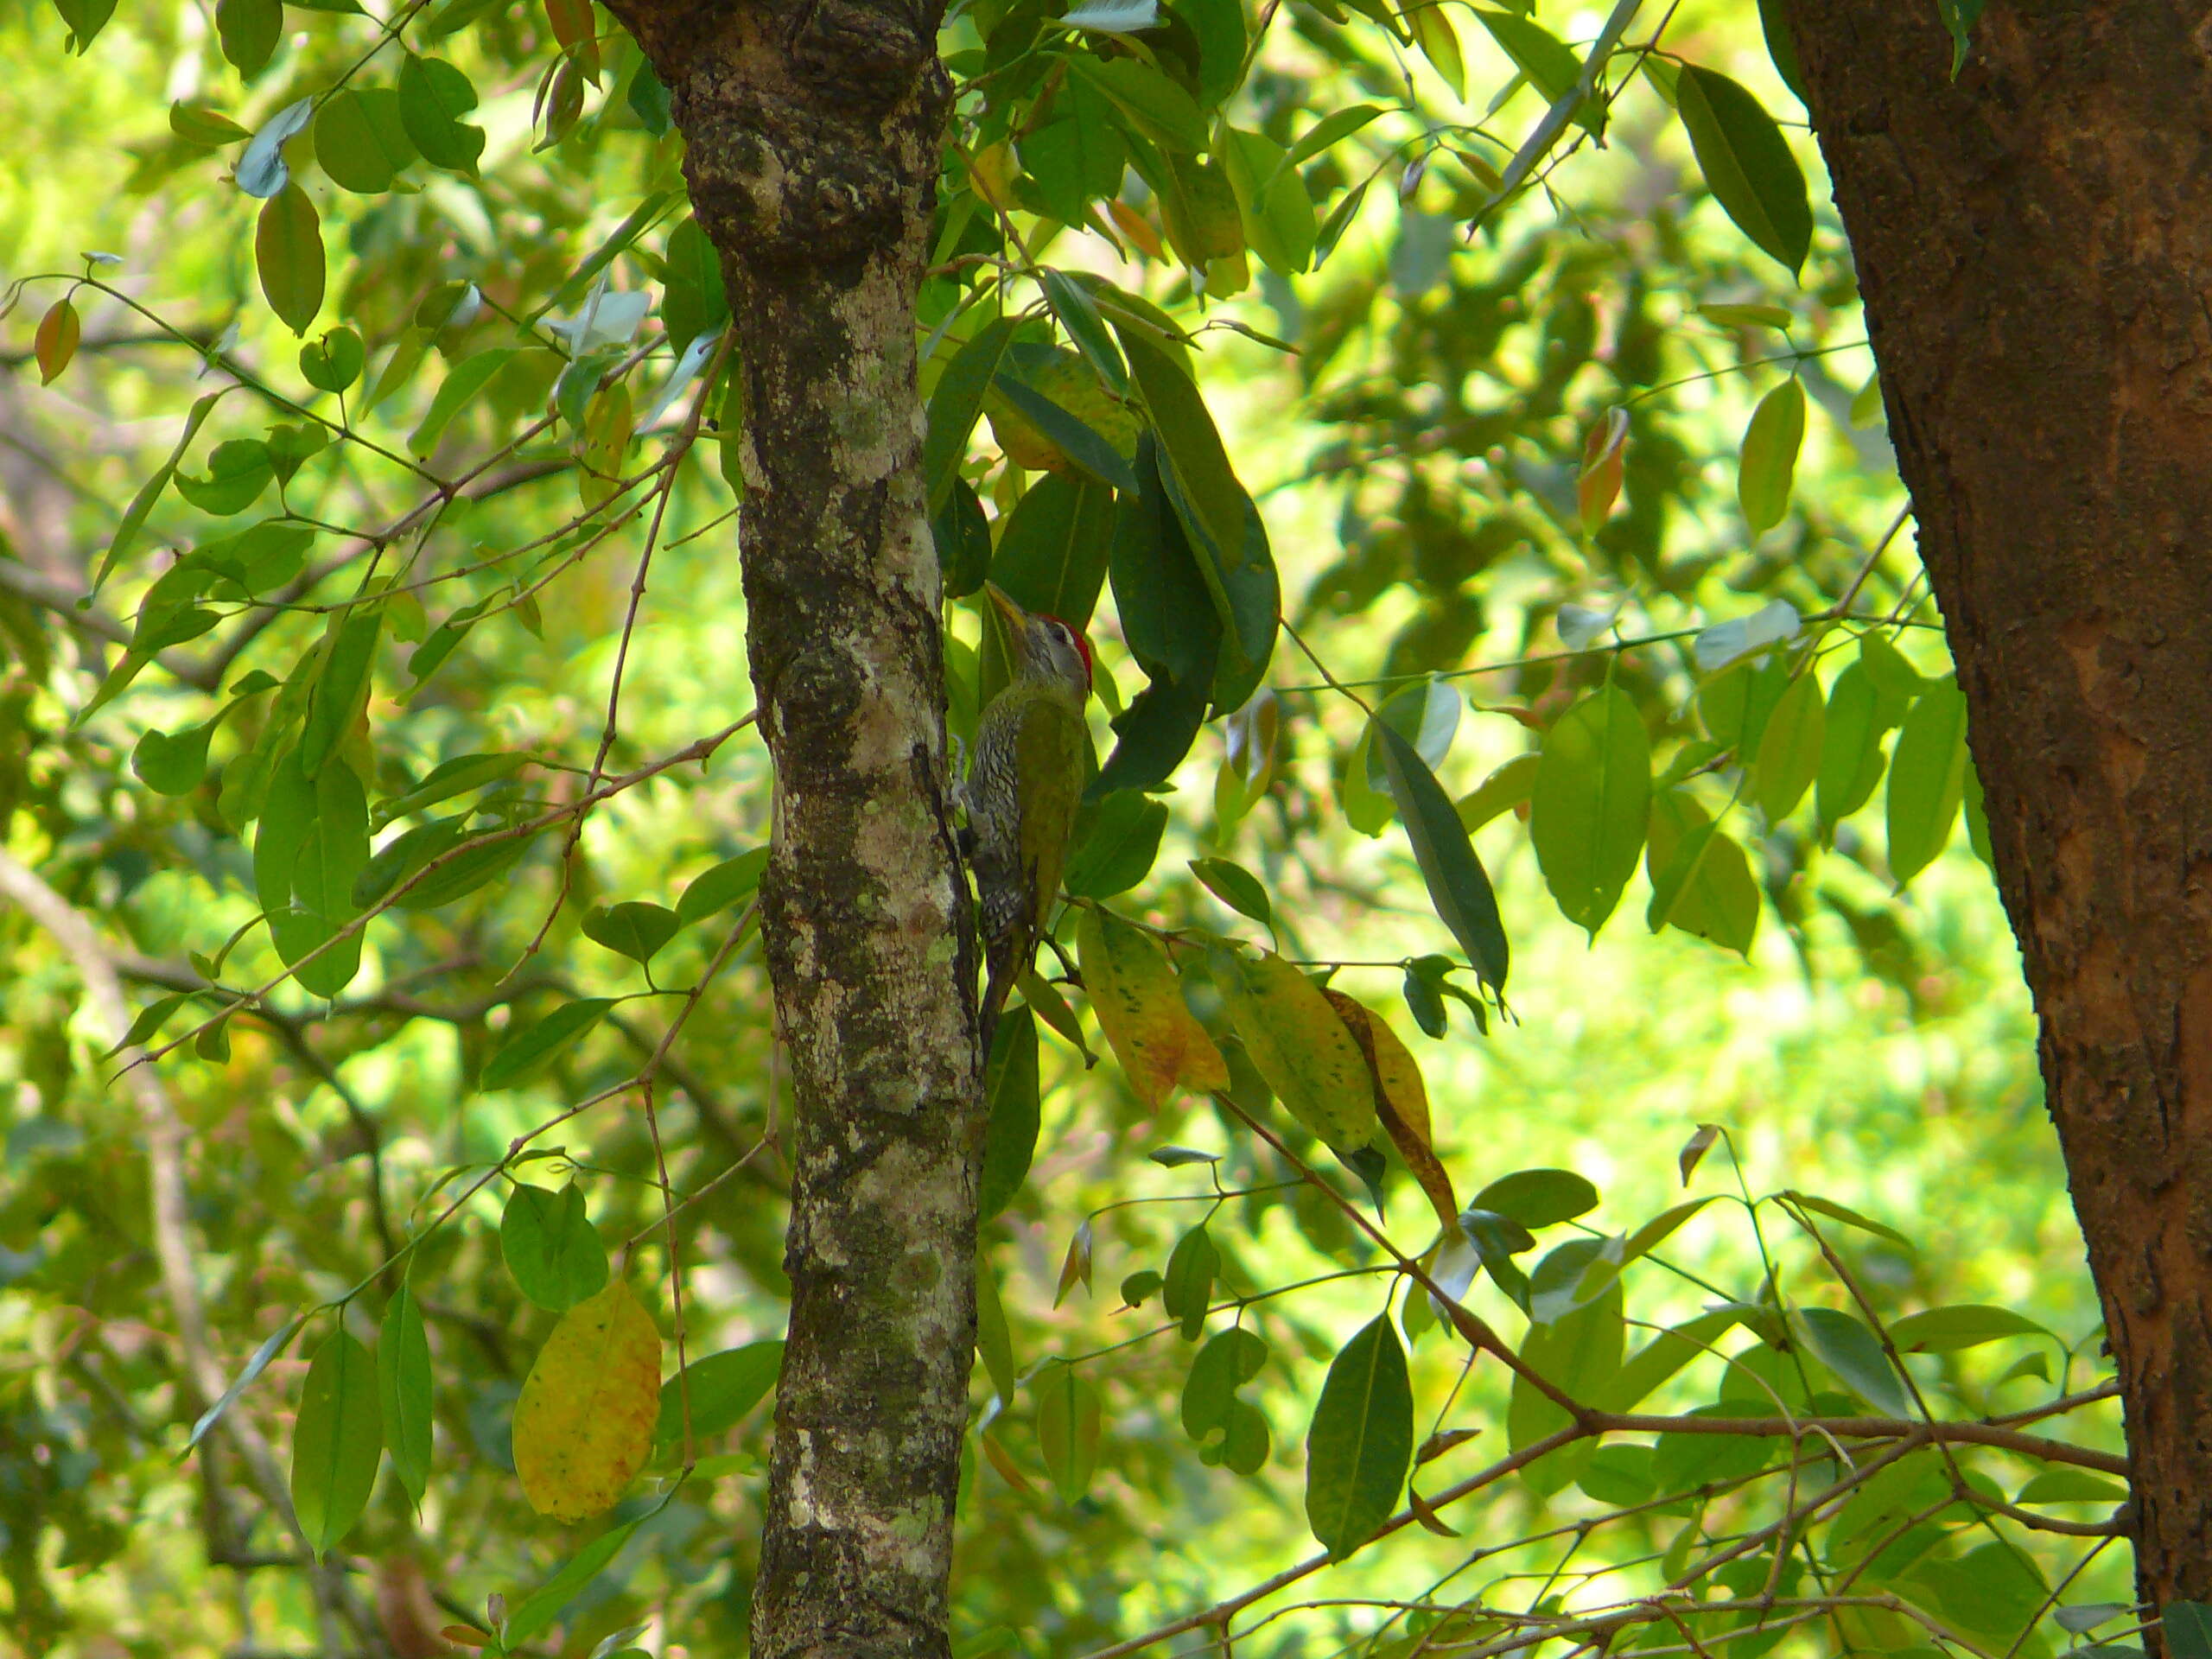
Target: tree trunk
{"x":813,"y":129}
{"x":2033,"y":245}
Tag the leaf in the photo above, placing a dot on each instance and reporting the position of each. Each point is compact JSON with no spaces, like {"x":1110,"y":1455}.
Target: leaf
{"x":272,"y":1345}
{"x":1186,"y":1288}
{"x":287,"y":254}
{"x":1927,"y":779}
{"x":1427,"y":717}
{"x":1790,"y":747}
{"x":1158,"y":109}
{"x":1361,"y":1441}
{"x":963,"y":537}
{"x":1072,"y":303}
{"x":1835,"y":1211}
{"x":588,"y":1409}
{"x":530,"y":1050}
{"x":1139,"y":1003}
{"x":173,"y":763}
{"x":1402,"y":1102}
{"x":723,"y":1388}
{"x":1075,"y":1267}
{"x":1113,"y":16}
{"x":1067,"y":1427}
{"x":361,"y":139}
{"x":1456,"y":885}
{"x":1439,"y":43}
{"x":341,"y":685}
{"x":1660,"y":1358}
{"x":1010,"y":1094}
{"x":2062,"y":1485}
{"x":1589,"y":805}
{"x":1194,"y":465}
{"x":55,"y":342}
{"x":458,"y":776}
{"x":463,"y":382}
{"x":403,"y":1390}
{"x":993,"y":1339}
{"x":1851,"y":746}
{"x":1944,"y":1329}
{"x":728,"y":883}
{"x":550,"y":1246}
{"x":1846,"y":1347}
{"x":1747,"y":164}
{"x":260,"y":171}
{"x":958,"y":404}
{"x":1700,"y":880}
{"x":1299,"y":1045}
{"x":249,"y":31}
{"x":1120,"y":847}
{"x":1330,"y":130}
{"x":1226,"y":1362}
{"x":1768,"y":461}
{"x":1236,"y":887}
{"x":1081,"y":445}
{"x":547,"y":1603}
{"x":633,"y":929}
{"x":1538,"y":1198}
{"x":336,"y":1442}
{"x":1052,"y":550}
{"x":1958,"y":18}
{"x":433,"y":97}
{"x":1598,"y":485}
{"x":205,"y":125}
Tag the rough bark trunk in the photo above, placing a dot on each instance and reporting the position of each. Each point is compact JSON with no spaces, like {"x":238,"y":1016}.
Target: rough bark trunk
{"x":813,"y":129}
{"x":2033,"y":245}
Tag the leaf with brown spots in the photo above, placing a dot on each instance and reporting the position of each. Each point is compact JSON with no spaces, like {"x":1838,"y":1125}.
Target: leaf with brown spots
{"x":1401,"y":1101}
{"x":584,"y":1424}
{"x":1140,"y":1005}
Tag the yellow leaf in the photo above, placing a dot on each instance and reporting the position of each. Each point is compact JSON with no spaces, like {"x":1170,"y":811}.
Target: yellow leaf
{"x":1299,"y":1046}
{"x":1400,"y":1100}
{"x":1139,"y":1006}
{"x":584,"y":1424}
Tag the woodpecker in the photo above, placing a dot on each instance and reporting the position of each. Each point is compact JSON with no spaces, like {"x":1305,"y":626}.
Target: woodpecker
{"x":1025,"y":780}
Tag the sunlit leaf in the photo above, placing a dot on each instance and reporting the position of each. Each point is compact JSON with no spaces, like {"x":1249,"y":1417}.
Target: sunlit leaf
{"x":336,"y":1442}
{"x":586,"y":1418}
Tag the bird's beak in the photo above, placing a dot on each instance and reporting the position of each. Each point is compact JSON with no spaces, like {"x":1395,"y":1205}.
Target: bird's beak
{"x":1015,"y":616}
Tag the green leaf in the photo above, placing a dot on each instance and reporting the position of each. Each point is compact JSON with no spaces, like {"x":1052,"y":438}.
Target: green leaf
{"x":963,"y":537}
{"x":1768,"y":462}
{"x":1220,"y":26}
{"x":85,"y":18}
{"x":633,"y":929}
{"x":1278,"y":213}
{"x":134,"y":516}
{"x":1782,"y":47}
{"x":238,"y":472}
{"x":1330,"y":129}
{"x":249,"y":31}
{"x":1079,"y":442}
{"x":1186,"y":1288}
{"x":1010,"y":1095}
{"x":1660,"y":1358}
{"x":342,"y":687}
{"x":550,"y":1246}
{"x":1589,"y":803}
{"x":287,"y":254}
{"x":1538,"y":1198}
{"x":1549,"y":62}
{"x":1747,"y":164}
{"x":1123,"y":844}
{"x":550,"y":1600}
{"x":1439,"y":43}
{"x":1086,"y":330}
{"x":2064,"y":1485}
{"x":530,"y":1051}
{"x":1427,"y":715}
{"x":994,"y":1337}
{"x":433,"y":97}
{"x":1193,"y":461}
{"x":462,"y":384}
{"x":1226,"y":1362}
{"x":732,"y":882}
{"x":958,"y":404}
{"x":1851,"y":746}
{"x":1944,"y":1329}
{"x":361,"y":139}
{"x":692,"y":301}
{"x":336,"y":1442}
{"x":1835,"y":1211}
{"x":1236,"y":887}
{"x":1067,"y":1427}
{"x":1927,"y":779}
{"x":272,"y":1345}
{"x":1155,"y":732}
{"x":1854,"y":1353}
{"x":1168,"y":618}
{"x":723,"y":1388}
{"x":1456,"y":885}
{"x":1053,"y":550}
{"x":1160,"y":110}
{"x":1360,"y":1442}
{"x":1700,"y":880}
{"x":1790,"y":749}
{"x":458,"y":776}
{"x":403,"y":1390}
{"x":1958,"y":18}
{"x":1580,"y":1351}
{"x":172,"y":764}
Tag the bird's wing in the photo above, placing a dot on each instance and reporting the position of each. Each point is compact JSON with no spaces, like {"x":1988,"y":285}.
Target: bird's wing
{"x":1051,"y":740}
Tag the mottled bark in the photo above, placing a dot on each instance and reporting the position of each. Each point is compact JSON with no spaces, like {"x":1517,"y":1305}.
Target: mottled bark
{"x":2033,"y":243}
{"x":813,"y":129}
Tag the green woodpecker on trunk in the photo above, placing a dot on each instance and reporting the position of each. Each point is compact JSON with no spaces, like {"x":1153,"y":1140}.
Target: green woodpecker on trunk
{"x":1024,"y":781}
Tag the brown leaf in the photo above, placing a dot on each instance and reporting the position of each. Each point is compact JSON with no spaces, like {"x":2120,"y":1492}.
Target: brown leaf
{"x":1401,"y":1101}
{"x":1427,"y":1517}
